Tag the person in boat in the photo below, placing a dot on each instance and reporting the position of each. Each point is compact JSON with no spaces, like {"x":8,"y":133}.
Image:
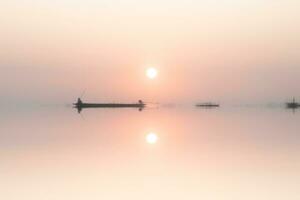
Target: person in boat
{"x":141,"y":102}
{"x":79,"y":102}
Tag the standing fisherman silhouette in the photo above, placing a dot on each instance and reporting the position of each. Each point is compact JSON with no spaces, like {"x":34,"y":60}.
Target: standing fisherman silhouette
{"x":79,"y":102}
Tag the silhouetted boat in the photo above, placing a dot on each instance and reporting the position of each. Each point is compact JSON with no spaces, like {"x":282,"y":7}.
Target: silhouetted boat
{"x":80,"y":105}
{"x":208,"y":105}
{"x":293,"y":104}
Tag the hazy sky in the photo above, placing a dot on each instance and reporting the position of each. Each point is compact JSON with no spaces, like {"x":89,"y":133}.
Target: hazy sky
{"x":226,"y":50}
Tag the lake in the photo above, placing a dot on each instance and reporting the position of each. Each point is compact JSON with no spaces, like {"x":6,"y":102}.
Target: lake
{"x":180,"y":152}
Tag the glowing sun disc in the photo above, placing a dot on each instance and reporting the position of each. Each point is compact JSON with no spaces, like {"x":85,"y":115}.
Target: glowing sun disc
{"x":151,"y":73}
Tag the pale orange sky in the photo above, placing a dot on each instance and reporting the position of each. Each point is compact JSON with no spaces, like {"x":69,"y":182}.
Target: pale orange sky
{"x":225,"y":50}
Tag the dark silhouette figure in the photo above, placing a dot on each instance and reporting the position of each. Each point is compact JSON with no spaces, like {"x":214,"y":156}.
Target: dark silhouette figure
{"x":79,"y":102}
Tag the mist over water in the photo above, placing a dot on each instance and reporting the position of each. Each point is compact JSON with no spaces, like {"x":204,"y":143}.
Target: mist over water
{"x":176,"y":85}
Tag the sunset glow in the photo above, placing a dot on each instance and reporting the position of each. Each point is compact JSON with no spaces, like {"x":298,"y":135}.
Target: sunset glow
{"x":151,"y":73}
{"x":139,"y":99}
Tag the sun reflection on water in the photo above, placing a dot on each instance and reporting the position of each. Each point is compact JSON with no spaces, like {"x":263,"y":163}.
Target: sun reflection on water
{"x":151,"y":138}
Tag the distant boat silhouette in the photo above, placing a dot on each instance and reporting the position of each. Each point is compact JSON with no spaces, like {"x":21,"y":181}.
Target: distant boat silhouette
{"x":208,"y":105}
{"x":293,"y":104}
{"x":80,"y":105}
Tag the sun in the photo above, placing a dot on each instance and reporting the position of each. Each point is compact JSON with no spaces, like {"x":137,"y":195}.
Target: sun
{"x":151,"y":138}
{"x":151,"y":73}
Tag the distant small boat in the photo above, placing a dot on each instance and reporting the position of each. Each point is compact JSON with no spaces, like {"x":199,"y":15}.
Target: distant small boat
{"x":208,"y":105}
{"x":80,"y":105}
{"x":293,"y":104}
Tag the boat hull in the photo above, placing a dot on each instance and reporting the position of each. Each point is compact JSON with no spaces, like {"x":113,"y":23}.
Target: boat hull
{"x":79,"y":106}
{"x":208,"y":105}
{"x":292,"y":105}
{"x":108,"y":105}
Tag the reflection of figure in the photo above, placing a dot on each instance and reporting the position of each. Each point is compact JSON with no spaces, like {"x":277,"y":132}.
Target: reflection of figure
{"x":79,"y":109}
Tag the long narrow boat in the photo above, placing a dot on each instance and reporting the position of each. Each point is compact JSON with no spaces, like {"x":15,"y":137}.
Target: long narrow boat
{"x":208,"y":105}
{"x":293,"y":104}
{"x":80,"y":105}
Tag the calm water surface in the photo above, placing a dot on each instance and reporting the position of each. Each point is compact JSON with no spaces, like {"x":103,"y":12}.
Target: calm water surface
{"x":229,"y":153}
